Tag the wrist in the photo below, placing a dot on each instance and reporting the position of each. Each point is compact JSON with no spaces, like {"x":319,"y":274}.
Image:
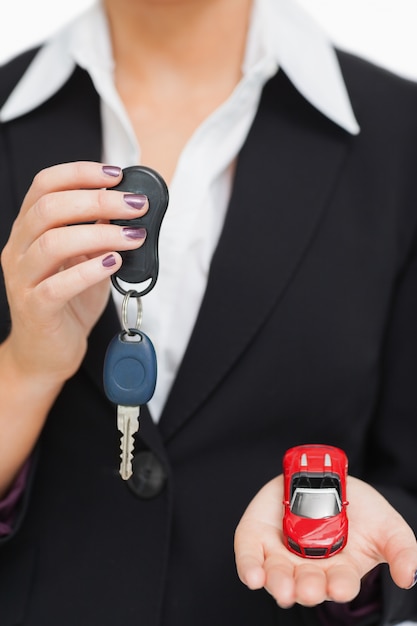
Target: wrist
{"x":25,"y":400}
{"x":34,"y":375}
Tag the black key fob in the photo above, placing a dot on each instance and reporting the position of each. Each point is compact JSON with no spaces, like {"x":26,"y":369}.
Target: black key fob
{"x":142,"y":265}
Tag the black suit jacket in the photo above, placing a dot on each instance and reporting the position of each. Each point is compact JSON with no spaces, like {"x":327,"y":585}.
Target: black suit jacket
{"x":307,"y":333}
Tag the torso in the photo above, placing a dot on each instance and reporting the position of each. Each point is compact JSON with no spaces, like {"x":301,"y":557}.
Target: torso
{"x":164,"y":122}
{"x":185,"y":62}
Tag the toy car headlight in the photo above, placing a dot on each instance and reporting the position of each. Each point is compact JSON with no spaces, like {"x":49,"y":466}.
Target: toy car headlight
{"x":337,"y":545}
{"x":294,"y":546}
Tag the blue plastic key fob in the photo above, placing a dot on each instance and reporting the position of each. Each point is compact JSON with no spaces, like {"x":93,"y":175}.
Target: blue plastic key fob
{"x":129,"y":374}
{"x":142,"y":265}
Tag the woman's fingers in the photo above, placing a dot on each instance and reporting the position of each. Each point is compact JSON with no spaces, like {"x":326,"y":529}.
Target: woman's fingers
{"x":42,"y":243}
{"x":76,"y":175}
{"x":291,"y":579}
{"x":400,"y":552}
{"x":59,"y":253}
{"x":280,"y":581}
{"x":380,"y":534}
{"x":343,"y":582}
{"x":75,"y":207}
{"x":55,"y":291}
{"x":52,"y":250}
{"x":249,"y":556}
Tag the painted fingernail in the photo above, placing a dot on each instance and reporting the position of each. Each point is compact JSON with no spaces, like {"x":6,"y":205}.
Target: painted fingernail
{"x":109,"y":261}
{"x":135,"y":201}
{"x":414,"y":580}
{"x":134,"y":233}
{"x":112,"y":170}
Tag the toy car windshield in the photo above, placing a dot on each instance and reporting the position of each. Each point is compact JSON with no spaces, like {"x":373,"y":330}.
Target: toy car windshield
{"x":315,"y":503}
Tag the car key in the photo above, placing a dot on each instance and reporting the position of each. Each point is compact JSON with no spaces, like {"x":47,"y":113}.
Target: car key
{"x":129,"y":379}
{"x":142,"y":265}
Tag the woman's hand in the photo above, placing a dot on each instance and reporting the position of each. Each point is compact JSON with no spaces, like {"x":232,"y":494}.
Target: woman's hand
{"x":377,"y":534}
{"x":57,"y":267}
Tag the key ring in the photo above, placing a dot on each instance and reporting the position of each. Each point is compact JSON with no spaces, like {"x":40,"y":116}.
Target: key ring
{"x":125,"y":312}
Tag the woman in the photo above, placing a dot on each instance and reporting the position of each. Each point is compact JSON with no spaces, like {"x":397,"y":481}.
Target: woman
{"x":283,"y":314}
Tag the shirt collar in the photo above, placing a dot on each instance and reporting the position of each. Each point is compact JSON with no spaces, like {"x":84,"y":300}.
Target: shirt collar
{"x":279,"y":30}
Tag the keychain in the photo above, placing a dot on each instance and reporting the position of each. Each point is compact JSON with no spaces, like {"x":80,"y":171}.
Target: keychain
{"x":130,"y":367}
{"x":142,"y":264}
{"x":129,"y":378}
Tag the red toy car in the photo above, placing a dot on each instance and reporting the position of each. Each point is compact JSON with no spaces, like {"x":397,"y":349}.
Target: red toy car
{"x":315,"y":523}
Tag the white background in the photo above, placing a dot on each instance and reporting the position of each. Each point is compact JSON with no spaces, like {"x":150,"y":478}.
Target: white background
{"x":383,"y":31}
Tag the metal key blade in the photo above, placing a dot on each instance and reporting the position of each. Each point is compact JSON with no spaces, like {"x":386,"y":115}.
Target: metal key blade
{"x":128,"y":424}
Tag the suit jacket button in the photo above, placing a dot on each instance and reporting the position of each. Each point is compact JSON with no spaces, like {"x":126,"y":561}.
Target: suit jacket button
{"x":149,"y":477}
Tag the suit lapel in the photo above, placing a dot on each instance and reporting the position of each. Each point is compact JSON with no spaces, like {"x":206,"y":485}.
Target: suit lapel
{"x":284,"y":175}
{"x":65,"y":128}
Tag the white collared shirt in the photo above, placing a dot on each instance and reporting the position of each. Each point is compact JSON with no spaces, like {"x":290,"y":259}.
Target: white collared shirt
{"x":280,"y":35}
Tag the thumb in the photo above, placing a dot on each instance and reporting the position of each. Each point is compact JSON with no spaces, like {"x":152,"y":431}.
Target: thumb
{"x":400,"y":552}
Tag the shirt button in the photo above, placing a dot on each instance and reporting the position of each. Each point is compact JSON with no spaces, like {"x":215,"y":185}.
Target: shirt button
{"x":149,"y":477}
